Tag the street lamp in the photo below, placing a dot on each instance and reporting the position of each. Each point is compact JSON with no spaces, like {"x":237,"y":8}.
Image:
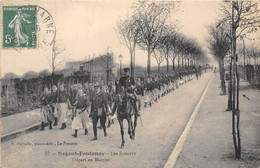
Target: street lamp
{"x":120,"y":57}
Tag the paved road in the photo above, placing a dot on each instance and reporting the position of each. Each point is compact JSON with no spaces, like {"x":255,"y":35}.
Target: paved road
{"x":163,"y":124}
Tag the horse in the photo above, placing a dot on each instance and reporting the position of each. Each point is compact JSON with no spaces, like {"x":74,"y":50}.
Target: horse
{"x":125,"y":110}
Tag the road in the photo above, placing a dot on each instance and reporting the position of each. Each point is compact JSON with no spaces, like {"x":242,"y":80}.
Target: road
{"x":163,"y":124}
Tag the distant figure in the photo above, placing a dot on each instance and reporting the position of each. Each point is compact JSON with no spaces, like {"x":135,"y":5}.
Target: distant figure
{"x":215,"y":70}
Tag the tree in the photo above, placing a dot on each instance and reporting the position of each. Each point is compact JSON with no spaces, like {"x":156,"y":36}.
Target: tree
{"x":253,"y":52}
{"x":219,"y":45}
{"x":159,"y":57}
{"x":174,"y":50}
{"x":128,"y":30}
{"x":151,"y":17}
{"x":243,"y":16}
{"x":107,"y":60}
{"x":168,"y":43}
{"x":182,"y":50}
{"x":58,"y":57}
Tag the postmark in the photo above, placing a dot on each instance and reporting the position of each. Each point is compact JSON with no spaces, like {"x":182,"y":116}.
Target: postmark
{"x":19,"y":26}
{"x":46,"y":27}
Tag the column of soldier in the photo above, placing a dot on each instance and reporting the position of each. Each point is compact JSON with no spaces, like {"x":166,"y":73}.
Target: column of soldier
{"x":85,"y":104}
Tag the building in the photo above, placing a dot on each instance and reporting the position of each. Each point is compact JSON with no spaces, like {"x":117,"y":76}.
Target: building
{"x":74,"y":65}
{"x":102,"y":68}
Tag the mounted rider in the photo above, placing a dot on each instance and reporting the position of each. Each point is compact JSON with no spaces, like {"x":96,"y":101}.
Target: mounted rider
{"x":127,"y":82}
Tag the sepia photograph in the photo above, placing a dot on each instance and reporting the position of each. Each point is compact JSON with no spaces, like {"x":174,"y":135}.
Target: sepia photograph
{"x":130,"y":84}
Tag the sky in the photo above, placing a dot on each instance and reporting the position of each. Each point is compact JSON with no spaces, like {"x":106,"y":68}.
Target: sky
{"x":85,"y":28}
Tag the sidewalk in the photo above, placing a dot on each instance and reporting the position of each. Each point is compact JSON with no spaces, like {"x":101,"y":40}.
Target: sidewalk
{"x":16,"y":123}
{"x":210,"y":143}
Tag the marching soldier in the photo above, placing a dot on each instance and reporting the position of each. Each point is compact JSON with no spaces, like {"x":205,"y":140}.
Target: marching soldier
{"x":54,"y":101}
{"x":81,"y":119}
{"x":140,"y":93}
{"x":128,"y":83}
{"x":99,"y":110}
{"x":113,"y":98}
{"x":72,"y":99}
{"x":46,"y":112}
{"x":62,"y":106}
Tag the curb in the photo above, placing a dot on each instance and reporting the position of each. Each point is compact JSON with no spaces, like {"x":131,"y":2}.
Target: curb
{"x":20,"y":132}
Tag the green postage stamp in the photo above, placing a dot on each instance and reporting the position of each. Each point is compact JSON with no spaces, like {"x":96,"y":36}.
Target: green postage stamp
{"x":19,"y":26}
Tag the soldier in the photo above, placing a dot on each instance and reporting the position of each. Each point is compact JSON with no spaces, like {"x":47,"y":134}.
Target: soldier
{"x":54,"y":101}
{"x":155,"y":89}
{"x":113,"y":97}
{"x":86,"y":88}
{"x":139,"y":92}
{"x":128,"y":84}
{"x":62,"y":106}
{"x":46,"y":113}
{"x":99,"y":108}
{"x":72,"y":99}
{"x":107,"y":97}
{"x":81,"y":119}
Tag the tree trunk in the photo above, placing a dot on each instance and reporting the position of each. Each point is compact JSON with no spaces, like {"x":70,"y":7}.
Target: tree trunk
{"x":133,"y":71}
{"x":178,"y":63}
{"x":167,"y":61}
{"x":132,"y":63}
{"x":159,"y":68}
{"x":185,"y":60}
{"x":238,"y":117}
{"x":229,"y":106}
{"x":52,"y":77}
{"x":107,"y":76}
{"x":222,"y":76}
{"x":181,"y":62}
{"x":188,"y":63}
{"x":149,"y":62}
{"x":173,"y":66}
{"x":235,"y":91}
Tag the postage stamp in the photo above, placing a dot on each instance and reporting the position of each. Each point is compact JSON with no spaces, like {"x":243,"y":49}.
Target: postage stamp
{"x":19,"y":26}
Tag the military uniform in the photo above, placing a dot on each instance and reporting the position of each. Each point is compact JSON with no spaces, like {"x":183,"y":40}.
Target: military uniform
{"x":140,"y":94}
{"x":72,"y":101}
{"x":99,"y":106}
{"x":126,"y":82}
{"x":81,"y":119}
{"x":46,"y":111}
{"x":54,"y":101}
{"x":62,"y":107}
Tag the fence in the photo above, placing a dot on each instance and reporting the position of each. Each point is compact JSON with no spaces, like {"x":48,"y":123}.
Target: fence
{"x":251,"y":73}
{"x":26,"y":92}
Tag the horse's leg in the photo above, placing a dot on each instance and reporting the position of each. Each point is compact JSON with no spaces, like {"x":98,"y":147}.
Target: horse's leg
{"x":132,"y":128}
{"x":120,"y":121}
{"x":129,"y":126}
{"x":135,"y":125}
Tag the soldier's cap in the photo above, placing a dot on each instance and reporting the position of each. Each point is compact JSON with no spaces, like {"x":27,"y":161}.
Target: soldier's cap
{"x":126,"y":69}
